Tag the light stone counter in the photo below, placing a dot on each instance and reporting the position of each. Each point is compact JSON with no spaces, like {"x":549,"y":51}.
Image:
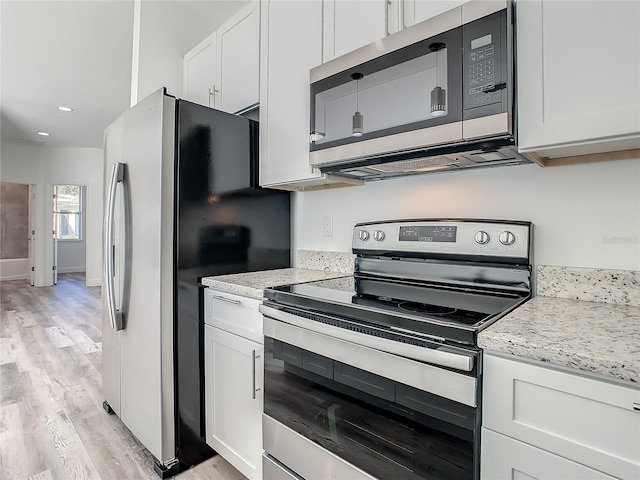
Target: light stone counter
{"x":252,"y":284}
{"x":593,"y":337}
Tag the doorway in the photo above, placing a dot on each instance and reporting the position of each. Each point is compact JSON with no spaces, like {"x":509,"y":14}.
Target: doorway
{"x":69,"y":251}
{"x":17,"y":212}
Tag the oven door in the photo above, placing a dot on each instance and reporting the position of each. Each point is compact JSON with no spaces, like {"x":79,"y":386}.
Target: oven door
{"x":360,"y":412}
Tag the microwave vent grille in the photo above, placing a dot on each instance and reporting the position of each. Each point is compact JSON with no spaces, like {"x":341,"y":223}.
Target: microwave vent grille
{"x":410,"y":165}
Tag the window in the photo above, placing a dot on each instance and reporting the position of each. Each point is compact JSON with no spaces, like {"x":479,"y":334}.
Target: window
{"x":67,"y":212}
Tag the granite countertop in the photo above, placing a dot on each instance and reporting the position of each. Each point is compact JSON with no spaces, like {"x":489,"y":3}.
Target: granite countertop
{"x":252,"y":284}
{"x":589,"y":336}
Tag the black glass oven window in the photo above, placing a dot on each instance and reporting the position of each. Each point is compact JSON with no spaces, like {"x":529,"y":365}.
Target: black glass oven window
{"x":387,"y":429}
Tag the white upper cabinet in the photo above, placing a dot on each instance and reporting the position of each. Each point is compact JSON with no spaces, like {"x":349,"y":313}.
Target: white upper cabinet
{"x":578,"y":70}
{"x":222,"y":71}
{"x":239,"y":59}
{"x":415,"y":11}
{"x":351,"y":24}
{"x":200,"y":72}
{"x":291,"y":44}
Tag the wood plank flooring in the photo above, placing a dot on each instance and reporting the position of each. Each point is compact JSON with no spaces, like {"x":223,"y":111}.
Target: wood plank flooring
{"x":52,"y":425}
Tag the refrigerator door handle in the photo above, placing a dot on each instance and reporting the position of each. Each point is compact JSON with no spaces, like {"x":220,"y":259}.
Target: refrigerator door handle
{"x":115,"y":315}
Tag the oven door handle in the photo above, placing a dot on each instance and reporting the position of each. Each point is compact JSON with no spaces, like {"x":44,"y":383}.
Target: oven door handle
{"x":461,"y":362}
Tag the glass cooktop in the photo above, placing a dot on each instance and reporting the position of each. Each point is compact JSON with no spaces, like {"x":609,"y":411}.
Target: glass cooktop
{"x":430,"y":309}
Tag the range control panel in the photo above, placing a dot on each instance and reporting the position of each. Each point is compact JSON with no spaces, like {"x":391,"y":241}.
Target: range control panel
{"x":458,"y":237}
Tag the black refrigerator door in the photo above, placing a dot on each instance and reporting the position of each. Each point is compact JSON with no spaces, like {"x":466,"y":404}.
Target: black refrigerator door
{"x":221,"y":149}
{"x":223,"y":225}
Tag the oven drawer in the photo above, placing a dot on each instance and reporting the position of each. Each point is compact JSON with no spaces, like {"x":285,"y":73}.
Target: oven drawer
{"x":233,"y":313}
{"x":303,"y":456}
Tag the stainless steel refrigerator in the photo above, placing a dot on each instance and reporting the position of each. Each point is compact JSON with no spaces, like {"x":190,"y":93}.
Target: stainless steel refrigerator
{"x":181,"y":202}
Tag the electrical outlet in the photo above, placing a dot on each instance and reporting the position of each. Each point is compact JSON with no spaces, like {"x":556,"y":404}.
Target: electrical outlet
{"x":327,"y":226}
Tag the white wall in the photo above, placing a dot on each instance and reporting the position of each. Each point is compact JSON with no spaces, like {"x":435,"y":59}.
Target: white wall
{"x":45,"y":167}
{"x":584,"y":215}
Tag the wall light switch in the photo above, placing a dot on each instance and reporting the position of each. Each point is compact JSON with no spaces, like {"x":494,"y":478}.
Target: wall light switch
{"x":327,"y":226}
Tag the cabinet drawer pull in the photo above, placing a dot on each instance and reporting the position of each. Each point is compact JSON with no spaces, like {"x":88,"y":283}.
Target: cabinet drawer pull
{"x":636,"y":406}
{"x":228,"y":300}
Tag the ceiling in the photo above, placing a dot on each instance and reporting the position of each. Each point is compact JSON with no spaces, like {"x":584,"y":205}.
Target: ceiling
{"x":78,"y":54}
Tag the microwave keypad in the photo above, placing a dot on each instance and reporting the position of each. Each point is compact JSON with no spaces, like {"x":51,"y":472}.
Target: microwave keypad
{"x":480,"y":73}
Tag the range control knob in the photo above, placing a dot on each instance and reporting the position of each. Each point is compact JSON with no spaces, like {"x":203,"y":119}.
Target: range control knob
{"x":507,"y":238}
{"x":482,"y":237}
{"x":378,"y":235}
{"x":363,"y":235}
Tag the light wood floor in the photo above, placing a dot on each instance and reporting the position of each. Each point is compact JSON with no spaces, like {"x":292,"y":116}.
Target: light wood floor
{"x":52,"y":425}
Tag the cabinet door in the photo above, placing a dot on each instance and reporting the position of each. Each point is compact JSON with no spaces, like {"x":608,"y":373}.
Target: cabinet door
{"x":351,"y":24}
{"x":200,"y":72}
{"x":504,"y":457}
{"x":291,"y":45}
{"x":416,"y":11}
{"x":589,"y":421}
{"x":239,"y":59}
{"x":233,"y":396}
{"x":578,"y":75}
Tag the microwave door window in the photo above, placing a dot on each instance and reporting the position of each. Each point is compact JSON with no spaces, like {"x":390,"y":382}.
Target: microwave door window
{"x":412,"y":88}
{"x":389,"y":98}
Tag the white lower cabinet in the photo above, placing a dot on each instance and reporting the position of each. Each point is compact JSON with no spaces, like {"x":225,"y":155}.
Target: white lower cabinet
{"x":553,"y":422}
{"x":506,"y":458}
{"x":233,"y":380}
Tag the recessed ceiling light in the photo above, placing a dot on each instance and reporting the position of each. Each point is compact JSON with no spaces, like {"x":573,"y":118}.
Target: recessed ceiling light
{"x":65,"y":109}
{"x":44,"y":134}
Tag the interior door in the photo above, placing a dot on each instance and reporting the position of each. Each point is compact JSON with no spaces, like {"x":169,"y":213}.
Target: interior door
{"x":31,"y":237}
{"x":54,"y":233}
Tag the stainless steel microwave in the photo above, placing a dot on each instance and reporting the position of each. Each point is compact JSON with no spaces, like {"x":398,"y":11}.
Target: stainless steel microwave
{"x":436,"y":96}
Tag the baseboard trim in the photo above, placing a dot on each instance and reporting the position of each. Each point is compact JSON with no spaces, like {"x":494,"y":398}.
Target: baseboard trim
{"x":80,"y":269}
{"x":14,"y":277}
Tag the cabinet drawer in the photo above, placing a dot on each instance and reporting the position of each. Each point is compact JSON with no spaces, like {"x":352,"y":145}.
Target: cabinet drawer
{"x":504,"y":457}
{"x":233,"y":313}
{"x":584,"y":419}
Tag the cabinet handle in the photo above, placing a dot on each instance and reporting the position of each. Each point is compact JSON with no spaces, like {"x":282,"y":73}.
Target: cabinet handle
{"x":386,"y":17}
{"x":254,"y":390}
{"x":212,"y":96}
{"x":228,"y":300}
{"x":636,"y":406}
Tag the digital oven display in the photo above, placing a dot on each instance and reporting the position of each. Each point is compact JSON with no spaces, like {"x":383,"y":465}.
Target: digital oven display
{"x":428,"y":234}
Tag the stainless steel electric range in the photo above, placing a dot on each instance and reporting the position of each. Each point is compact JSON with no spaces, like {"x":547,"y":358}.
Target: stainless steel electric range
{"x":378,"y":375}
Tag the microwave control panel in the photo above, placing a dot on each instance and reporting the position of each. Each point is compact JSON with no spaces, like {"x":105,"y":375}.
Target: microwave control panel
{"x":485,"y":65}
